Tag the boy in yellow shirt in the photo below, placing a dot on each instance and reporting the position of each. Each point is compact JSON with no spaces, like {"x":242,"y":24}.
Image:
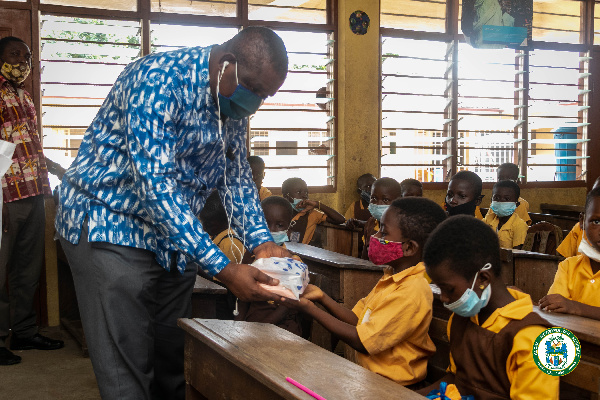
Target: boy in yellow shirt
{"x":464,"y":194}
{"x":359,"y":210}
{"x":389,"y":328}
{"x":510,"y":172}
{"x":570,"y":244}
{"x":576,"y":287}
{"x":462,"y":257}
{"x":257,"y":165}
{"x":511,"y":229}
{"x":307,"y":213}
{"x":411,"y":188}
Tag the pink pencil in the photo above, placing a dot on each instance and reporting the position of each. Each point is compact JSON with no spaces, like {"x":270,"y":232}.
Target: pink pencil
{"x":305,"y":389}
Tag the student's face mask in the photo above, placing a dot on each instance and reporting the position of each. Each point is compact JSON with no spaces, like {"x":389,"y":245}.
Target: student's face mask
{"x":242,"y":103}
{"x":503,"y":208}
{"x":295,"y":204}
{"x":469,"y":303}
{"x":587,"y":249}
{"x":365,"y":196}
{"x":280,"y":237}
{"x":377,"y":210}
{"x":382,"y":251}
{"x":15,"y":72}
{"x":462,"y":209}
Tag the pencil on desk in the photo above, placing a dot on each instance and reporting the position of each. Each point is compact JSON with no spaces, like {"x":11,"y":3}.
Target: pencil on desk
{"x":304,"y":388}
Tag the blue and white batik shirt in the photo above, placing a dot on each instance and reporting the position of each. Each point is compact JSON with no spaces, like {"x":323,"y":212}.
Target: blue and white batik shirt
{"x":151,"y":157}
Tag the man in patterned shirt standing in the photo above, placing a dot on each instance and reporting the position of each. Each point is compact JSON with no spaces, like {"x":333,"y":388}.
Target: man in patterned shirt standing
{"x":23,"y":217}
{"x":172,"y":128}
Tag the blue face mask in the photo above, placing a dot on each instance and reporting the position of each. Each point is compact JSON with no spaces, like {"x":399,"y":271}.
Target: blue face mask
{"x":469,"y":303}
{"x":377,"y":210}
{"x":280,"y":237}
{"x":295,"y":204}
{"x":503,"y":208}
{"x":242,"y":103}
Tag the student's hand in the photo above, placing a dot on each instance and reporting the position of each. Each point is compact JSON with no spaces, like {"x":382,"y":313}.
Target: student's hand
{"x":270,"y":249}
{"x":243,"y":281}
{"x":355,"y":223}
{"x":558,"y":303}
{"x":312,"y":293}
{"x":307,"y":205}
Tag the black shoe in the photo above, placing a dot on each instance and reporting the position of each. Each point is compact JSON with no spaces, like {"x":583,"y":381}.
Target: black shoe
{"x":37,"y":341}
{"x":7,"y":357}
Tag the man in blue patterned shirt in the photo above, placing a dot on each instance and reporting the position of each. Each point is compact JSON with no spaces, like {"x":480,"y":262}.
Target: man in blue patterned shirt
{"x":172,"y":128}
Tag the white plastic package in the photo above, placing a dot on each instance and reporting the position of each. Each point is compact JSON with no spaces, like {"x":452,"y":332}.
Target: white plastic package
{"x":292,"y":274}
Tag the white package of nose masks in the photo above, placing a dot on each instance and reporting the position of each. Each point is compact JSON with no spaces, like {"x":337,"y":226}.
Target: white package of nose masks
{"x":292,"y":274}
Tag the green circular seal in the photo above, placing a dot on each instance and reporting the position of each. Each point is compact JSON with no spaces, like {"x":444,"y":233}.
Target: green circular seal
{"x":556,"y":351}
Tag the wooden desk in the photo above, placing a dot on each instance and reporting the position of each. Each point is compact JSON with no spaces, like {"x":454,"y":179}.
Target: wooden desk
{"x":564,"y":222}
{"x":586,"y":377}
{"x":350,"y":278}
{"x":205,"y":296}
{"x":339,"y":239}
{"x":562,"y":209}
{"x":245,"y":360}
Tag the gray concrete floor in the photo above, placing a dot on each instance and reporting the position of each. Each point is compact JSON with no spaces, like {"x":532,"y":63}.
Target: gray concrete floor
{"x":47,"y":375}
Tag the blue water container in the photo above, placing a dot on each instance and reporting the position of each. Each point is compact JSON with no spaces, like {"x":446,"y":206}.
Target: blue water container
{"x":566,"y":173}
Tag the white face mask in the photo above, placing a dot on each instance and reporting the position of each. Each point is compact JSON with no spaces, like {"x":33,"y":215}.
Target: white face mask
{"x":586,"y":248}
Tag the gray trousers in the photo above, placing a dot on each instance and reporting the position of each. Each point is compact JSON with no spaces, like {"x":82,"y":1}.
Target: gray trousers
{"x":129,"y":307}
{"x":21,"y":258}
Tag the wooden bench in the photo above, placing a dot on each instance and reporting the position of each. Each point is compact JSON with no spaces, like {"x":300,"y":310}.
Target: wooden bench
{"x":339,"y":239}
{"x":562,"y":210}
{"x":564,"y":222}
{"x":248,"y":360}
{"x":584,"y":380}
{"x":205,"y":296}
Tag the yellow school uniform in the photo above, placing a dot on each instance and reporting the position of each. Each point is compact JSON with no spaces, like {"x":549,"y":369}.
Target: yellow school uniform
{"x":522,"y":211}
{"x":575,"y":280}
{"x":263,"y":193}
{"x":478,"y":214}
{"x":512,"y":233}
{"x":569,"y":247}
{"x":230,"y":245}
{"x":527,"y":381}
{"x":315,"y":217}
{"x":394,"y":326}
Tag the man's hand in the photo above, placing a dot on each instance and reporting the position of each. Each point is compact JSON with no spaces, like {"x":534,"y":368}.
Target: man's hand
{"x":270,"y":249}
{"x":560,"y":304}
{"x":5,"y":218}
{"x":243,"y":281}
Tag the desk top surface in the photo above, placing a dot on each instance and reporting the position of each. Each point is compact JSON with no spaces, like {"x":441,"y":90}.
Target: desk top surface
{"x":205,"y":286}
{"x":270,"y":354}
{"x":331,"y":258}
{"x":531,"y":254}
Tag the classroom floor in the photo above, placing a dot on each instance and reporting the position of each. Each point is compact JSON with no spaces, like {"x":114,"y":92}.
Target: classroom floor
{"x":47,"y":375}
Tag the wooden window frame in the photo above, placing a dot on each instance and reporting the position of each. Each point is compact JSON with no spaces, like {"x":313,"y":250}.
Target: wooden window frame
{"x":452,"y":35}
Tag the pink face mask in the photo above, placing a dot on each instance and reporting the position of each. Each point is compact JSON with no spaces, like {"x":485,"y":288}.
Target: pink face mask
{"x":382,"y":251}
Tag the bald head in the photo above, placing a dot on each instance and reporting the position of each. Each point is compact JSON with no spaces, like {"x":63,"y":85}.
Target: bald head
{"x":257,"y":48}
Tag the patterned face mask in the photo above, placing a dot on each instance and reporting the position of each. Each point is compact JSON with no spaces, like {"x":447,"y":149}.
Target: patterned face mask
{"x":15,"y":72}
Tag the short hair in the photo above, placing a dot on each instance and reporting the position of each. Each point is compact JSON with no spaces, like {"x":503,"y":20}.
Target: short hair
{"x":256,"y":160}
{"x":472,"y":178}
{"x":466,"y":243}
{"x":276,"y":201}
{"x":417,"y":217}
{"x":256,"y":47}
{"x":363,"y":177}
{"x":591,"y":196}
{"x":389,"y":183}
{"x":510,"y":185}
{"x":9,"y":39}
{"x":289,"y":182}
{"x":513,"y":168}
{"x":405,"y":184}
{"x":213,"y":210}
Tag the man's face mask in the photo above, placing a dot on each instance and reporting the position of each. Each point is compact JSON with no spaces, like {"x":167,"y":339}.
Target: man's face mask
{"x":15,"y":72}
{"x":242,"y":102}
